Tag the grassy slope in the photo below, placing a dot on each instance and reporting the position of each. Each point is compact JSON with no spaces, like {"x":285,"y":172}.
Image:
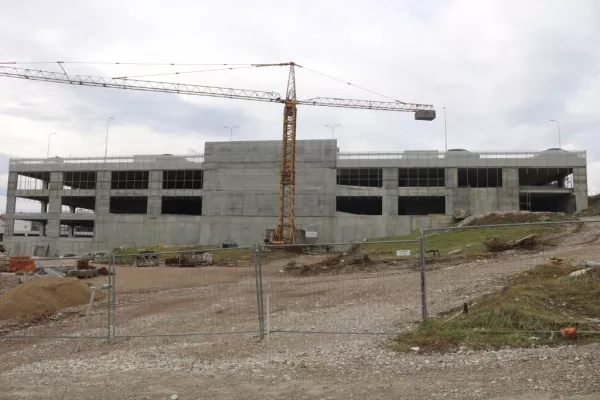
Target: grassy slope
{"x":537,"y":302}
{"x":470,"y":240}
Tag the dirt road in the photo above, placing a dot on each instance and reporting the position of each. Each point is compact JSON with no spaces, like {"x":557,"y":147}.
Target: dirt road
{"x":291,"y":366}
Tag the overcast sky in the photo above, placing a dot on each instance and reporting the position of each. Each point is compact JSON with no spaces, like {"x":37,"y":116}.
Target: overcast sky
{"x":502,"y":69}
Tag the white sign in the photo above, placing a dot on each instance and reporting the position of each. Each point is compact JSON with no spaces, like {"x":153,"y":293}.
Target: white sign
{"x":400,"y":253}
{"x":311,"y":234}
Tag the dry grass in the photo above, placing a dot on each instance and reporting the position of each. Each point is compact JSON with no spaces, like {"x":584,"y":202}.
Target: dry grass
{"x":536,"y":303}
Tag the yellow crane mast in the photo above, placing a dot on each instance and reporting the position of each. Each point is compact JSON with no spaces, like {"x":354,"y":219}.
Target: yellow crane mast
{"x":285,"y":228}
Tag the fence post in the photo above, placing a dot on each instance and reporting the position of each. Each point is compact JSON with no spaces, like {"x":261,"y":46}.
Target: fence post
{"x":258,"y":278}
{"x":111,"y":285}
{"x":423,"y":283}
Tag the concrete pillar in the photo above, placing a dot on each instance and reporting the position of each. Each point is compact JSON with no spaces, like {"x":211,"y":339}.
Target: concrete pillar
{"x":390,"y":191}
{"x":102,"y":192}
{"x":451,"y":182}
{"x":55,"y":204}
{"x":508,"y":195}
{"x":580,"y":188}
{"x":154,"y":193}
{"x":11,"y":199}
{"x":70,"y":230}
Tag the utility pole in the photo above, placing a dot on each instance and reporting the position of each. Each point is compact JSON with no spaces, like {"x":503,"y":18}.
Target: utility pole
{"x":106,"y":141}
{"x":231,"y":128}
{"x":48,"y":152}
{"x":333,"y":129}
{"x":557,"y":124}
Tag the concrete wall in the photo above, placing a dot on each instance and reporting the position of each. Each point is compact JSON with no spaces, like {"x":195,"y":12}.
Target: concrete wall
{"x":240,"y":194}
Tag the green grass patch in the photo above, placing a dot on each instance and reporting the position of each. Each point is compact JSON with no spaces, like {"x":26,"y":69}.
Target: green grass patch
{"x":471,"y":241}
{"x":219,"y":255}
{"x":536,"y":302}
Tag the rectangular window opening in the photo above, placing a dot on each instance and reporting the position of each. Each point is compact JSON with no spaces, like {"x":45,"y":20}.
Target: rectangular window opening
{"x":28,"y":228}
{"x":78,"y":205}
{"x":546,"y":177}
{"x":77,"y":229}
{"x":422,"y":205}
{"x":33,"y":180}
{"x":366,"y":177}
{"x":480,"y":177}
{"x":181,"y":205}
{"x":31,"y":204}
{"x":547,"y":202}
{"x":361,"y":205}
{"x":128,"y":205}
{"x":79,"y":180}
{"x":129,"y":180}
{"x":421,"y":177}
{"x":183,"y":179}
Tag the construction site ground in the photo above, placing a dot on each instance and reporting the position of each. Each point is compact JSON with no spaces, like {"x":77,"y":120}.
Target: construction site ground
{"x":155,"y":301}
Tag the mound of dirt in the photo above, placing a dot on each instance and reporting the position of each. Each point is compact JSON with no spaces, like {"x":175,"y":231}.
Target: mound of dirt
{"x":44,"y":297}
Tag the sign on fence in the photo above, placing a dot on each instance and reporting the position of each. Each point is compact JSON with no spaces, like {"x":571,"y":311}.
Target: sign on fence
{"x":400,"y":253}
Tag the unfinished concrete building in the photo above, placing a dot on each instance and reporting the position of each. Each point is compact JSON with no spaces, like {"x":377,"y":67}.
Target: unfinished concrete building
{"x":230,"y":193}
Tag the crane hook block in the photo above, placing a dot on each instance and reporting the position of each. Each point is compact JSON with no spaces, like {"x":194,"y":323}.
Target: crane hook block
{"x":425,"y":115}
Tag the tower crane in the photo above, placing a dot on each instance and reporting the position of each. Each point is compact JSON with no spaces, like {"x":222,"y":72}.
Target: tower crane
{"x":284,"y":232}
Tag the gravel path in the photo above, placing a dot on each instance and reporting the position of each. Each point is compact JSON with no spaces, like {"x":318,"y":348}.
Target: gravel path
{"x":294,"y":366}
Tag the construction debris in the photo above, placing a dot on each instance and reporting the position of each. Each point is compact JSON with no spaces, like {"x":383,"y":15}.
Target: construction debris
{"x":146,"y":258}
{"x":195,"y":259}
{"x":497,"y":244}
{"x":334,"y":263}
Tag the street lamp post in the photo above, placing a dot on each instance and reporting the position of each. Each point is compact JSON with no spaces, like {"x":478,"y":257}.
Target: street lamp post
{"x":106,"y":141}
{"x":558,"y":125}
{"x":445,"y":131}
{"x":48,"y":152}
{"x":333,"y":129}
{"x":231,"y":128}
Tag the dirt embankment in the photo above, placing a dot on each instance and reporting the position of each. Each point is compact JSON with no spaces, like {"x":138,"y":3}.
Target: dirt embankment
{"x":44,"y":297}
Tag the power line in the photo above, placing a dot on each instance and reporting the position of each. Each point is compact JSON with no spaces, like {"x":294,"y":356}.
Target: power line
{"x":123,"y":63}
{"x":184,"y":72}
{"x":350,"y":84}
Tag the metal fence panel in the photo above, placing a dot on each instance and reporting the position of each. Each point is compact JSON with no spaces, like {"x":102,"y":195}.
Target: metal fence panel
{"x":353,"y":288}
{"x":186,"y":292}
{"x":468,"y":270}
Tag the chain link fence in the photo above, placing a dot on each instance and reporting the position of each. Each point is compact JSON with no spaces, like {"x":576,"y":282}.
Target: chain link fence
{"x":356,"y":288}
{"x":184,"y":292}
{"x":366,"y":288}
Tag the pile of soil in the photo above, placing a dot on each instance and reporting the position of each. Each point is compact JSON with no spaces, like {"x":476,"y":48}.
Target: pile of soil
{"x":44,"y":297}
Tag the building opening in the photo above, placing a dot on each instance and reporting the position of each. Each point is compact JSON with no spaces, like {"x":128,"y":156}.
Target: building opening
{"x":480,"y":177}
{"x":362,"y":205}
{"x":421,"y":205}
{"x":79,"y":180}
{"x":78,"y":205}
{"x":183,"y":179}
{"x":367,"y":177}
{"x":128,"y":205}
{"x":421,"y":177}
{"x":33,"y":180}
{"x":546,"y":177}
{"x":129,"y":180}
{"x":182,"y":205}
{"x":77,"y":229}
{"x":547,"y":202}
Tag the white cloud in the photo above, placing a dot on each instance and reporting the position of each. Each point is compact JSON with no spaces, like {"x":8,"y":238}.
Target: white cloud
{"x":502,"y":68}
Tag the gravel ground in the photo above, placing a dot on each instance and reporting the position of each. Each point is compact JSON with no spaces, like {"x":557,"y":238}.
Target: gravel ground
{"x":293,"y":366}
